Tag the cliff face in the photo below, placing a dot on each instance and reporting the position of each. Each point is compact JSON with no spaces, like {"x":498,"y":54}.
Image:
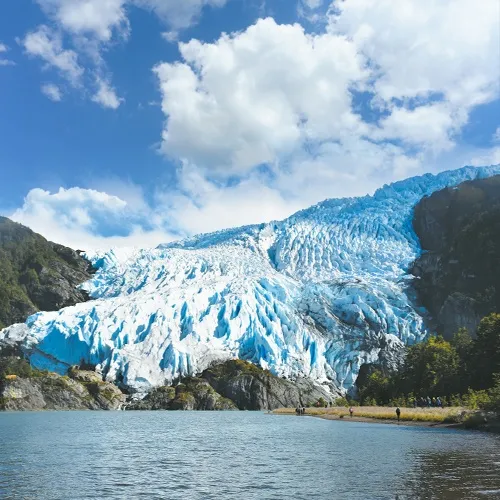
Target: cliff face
{"x":459,"y":271}
{"x":36,"y":275}
{"x":233,"y":385}
{"x":252,"y":388}
{"x":49,"y":391}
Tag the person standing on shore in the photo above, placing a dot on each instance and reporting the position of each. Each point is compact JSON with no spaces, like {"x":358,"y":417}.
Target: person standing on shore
{"x":398,"y":413}
{"x":351,"y":411}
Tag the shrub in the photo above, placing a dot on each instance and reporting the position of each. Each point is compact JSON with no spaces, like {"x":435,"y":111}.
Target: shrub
{"x":341,"y":402}
{"x":476,"y":399}
{"x":494,"y":394}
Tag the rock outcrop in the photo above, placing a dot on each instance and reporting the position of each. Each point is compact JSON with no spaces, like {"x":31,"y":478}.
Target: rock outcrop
{"x":36,"y":275}
{"x":49,"y":391}
{"x":23,"y":388}
{"x":192,"y":394}
{"x":233,"y":385}
{"x":252,"y":388}
{"x":459,"y":272}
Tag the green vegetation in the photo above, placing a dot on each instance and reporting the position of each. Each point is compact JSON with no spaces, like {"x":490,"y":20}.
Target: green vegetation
{"x":342,"y":402}
{"x":192,"y":394}
{"x":463,"y":372}
{"x":15,"y":366}
{"x":431,"y":415}
{"x":13,"y":363}
{"x":31,"y":273}
{"x":236,"y":367}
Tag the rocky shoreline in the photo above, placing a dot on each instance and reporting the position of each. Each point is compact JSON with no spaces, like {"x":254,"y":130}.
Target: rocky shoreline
{"x":80,"y":390}
{"x":233,"y":385}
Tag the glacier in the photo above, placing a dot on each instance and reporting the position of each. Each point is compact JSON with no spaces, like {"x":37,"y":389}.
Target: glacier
{"x":315,"y":295}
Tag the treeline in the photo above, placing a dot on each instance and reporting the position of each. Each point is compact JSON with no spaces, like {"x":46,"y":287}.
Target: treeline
{"x":462,"y":372}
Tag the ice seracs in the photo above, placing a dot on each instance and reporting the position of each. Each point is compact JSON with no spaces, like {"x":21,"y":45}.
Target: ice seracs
{"x":315,"y":295}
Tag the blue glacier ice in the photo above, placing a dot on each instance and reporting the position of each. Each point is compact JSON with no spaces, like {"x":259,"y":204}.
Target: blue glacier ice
{"x":315,"y":295}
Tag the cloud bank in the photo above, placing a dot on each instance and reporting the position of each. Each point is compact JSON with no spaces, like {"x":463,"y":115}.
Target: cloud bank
{"x":271,"y":119}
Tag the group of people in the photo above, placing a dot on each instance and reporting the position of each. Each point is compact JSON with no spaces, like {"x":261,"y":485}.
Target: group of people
{"x":300,"y":410}
{"x":427,"y":402}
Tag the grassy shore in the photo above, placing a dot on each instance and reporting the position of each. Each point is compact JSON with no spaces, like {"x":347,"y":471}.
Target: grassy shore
{"x":415,"y":415}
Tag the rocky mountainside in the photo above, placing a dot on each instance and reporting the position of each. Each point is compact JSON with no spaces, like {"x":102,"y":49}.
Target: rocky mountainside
{"x":314,"y":296}
{"x":459,"y":271}
{"x":36,"y":275}
{"x":234,"y":385}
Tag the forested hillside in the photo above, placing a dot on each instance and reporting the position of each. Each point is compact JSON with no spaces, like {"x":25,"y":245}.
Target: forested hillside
{"x":36,"y":274}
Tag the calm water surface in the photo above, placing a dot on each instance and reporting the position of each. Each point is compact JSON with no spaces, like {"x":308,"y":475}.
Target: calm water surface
{"x":87,"y":455}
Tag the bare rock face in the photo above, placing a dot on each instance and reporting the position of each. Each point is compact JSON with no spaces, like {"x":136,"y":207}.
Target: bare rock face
{"x":49,"y":391}
{"x":459,"y":271}
{"x":459,"y":311}
{"x":252,"y":388}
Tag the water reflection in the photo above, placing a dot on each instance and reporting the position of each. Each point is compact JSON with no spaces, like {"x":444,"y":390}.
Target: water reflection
{"x":164,"y":455}
{"x":456,"y":474}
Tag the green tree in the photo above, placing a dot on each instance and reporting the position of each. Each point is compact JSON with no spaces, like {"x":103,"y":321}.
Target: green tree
{"x":376,"y":386}
{"x":431,"y":368}
{"x":494,"y":393}
{"x":321,"y":403}
{"x":463,"y":344}
{"x":487,"y":351}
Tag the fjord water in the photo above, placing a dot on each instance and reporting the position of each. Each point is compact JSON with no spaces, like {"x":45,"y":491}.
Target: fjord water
{"x":190,"y":455}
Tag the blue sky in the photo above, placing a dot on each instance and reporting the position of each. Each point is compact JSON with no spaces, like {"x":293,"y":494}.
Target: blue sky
{"x":133,"y":122}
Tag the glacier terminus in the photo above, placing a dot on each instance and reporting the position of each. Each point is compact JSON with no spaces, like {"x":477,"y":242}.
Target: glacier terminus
{"x":316,"y":295}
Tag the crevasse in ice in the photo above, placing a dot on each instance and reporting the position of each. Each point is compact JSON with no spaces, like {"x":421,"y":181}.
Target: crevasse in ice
{"x":315,"y":295}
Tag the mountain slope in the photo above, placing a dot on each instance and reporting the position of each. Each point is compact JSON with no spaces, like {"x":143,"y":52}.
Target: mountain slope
{"x":459,"y":272}
{"x":36,"y":274}
{"x":317,"y":295}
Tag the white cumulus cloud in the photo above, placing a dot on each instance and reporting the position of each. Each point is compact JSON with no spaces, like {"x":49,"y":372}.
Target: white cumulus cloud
{"x":272,"y":119}
{"x":101,"y":18}
{"x":106,"y":95}
{"x":52,"y":91}
{"x":85,"y":219}
{"x":92,"y":26}
{"x":424,"y":46}
{"x":250,"y":97}
{"x":97,"y":18}
{"x":47,"y":44}
{"x":447,"y":51}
